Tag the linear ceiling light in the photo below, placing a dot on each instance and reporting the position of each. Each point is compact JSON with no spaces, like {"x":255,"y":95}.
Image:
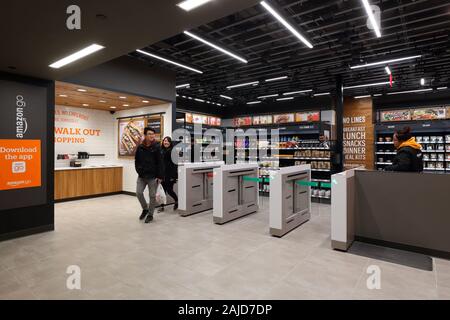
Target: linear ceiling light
{"x":286,"y":24}
{"x":372,"y":20}
{"x":253,"y":102}
{"x":168,"y":61}
{"x":276,"y":79}
{"x":189,"y":5}
{"x":226,"y":97}
{"x":360,"y":97}
{"x":384,"y":62}
{"x":76,"y":56}
{"x":82,"y":90}
{"x":268,"y":96}
{"x":388,"y":71}
{"x":410,"y":91}
{"x":243,"y":85}
{"x":145,"y":101}
{"x":369,"y":85}
{"x":377,"y":94}
{"x":199,"y":100}
{"x":190,"y":34}
{"x":422,"y":82}
{"x":63,"y":95}
{"x":288,"y":98}
{"x":442,"y":88}
{"x":182,"y":86}
{"x":295,"y":92}
{"x":321,"y":94}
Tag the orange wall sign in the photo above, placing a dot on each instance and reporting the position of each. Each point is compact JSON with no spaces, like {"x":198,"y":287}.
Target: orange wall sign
{"x":20,"y":164}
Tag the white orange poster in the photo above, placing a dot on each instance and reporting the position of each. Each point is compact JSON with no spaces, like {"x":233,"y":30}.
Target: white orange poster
{"x":20,"y":164}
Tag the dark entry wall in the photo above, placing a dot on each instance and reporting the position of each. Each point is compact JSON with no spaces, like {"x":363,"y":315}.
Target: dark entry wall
{"x":26,"y":185}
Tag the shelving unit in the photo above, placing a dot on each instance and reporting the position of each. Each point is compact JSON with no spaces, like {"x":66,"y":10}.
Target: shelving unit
{"x":434,"y":136}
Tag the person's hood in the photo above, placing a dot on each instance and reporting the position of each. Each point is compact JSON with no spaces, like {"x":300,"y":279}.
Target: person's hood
{"x":411,"y":143}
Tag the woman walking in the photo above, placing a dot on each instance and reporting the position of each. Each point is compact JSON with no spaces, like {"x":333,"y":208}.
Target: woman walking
{"x":170,"y":171}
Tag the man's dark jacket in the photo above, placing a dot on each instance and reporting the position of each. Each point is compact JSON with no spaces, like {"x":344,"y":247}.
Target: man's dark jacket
{"x":148,"y":161}
{"x":408,"y":159}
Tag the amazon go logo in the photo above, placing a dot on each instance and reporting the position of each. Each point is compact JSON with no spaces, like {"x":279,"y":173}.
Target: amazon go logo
{"x":21,"y":121}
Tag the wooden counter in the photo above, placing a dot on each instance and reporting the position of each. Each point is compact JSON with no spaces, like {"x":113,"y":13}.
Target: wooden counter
{"x":88,"y":181}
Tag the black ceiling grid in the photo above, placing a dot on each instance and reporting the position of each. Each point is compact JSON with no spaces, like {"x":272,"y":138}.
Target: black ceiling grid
{"x":337,"y":29}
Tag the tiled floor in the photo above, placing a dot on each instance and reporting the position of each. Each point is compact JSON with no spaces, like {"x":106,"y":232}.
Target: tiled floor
{"x":191,"y":258}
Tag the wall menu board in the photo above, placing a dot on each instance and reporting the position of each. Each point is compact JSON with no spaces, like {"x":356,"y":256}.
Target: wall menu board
{"x":23,"y":147}
{"x":244,"y":121}
{"x":284,"y":118}
{"x":428,"y":113}
{"x":189,"y":118}
{"x":312,"y":116}
{"x":131,"y":132}
{"x":395,"y":115}
{"x":262,"y":119}
{"x":202,"y":119}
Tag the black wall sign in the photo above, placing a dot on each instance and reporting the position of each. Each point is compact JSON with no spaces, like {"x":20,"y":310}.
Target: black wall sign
{"x":23,"y":120}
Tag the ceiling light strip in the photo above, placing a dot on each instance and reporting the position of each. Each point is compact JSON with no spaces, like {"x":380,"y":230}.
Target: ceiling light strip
{"x":268,"y":96}
{"x":226,"y":97}
{"x":283,"y":99}
{"x":182,"y":86}
{"x":243,"y":85}
{"x":371,"y":16}
{"x":223,"y":50}
{"x":409,"y":91}
{"x":189,"y":5}
{"x":168,"y":61}
{"x":296,"y":92}
{"x":361,"y":97}
{"x":286,"y":24}
{"x":276,"y":79}
{"x":321,"y":94}
{"x":369,"y":85}
{"x":388,"y":71}
{"x":76,"y":56}
{"x":384,"y":62}
{"x":253,"y":102}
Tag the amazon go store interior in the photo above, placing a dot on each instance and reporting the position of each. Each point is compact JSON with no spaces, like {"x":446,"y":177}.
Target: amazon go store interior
{"x":234,"y":160}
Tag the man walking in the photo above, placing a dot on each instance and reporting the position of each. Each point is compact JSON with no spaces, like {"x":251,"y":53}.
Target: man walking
{"x":149,"y":166}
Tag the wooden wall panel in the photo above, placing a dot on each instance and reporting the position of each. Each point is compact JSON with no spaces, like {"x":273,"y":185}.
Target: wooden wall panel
{"x":87,"y":182}
{"x":358,"y":133}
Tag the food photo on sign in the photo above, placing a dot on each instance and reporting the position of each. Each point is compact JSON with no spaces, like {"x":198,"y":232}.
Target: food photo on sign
{"x":131,"y":134}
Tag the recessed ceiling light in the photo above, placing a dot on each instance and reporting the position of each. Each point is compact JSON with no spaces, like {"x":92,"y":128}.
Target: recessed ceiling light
{"x":268,"y":96}
{"x":243,"y":84}
{"x":63,"y":95}
{"x":388,"y":71}
{"x":321,"y":94}
{"x":384,"y":62}
{"x":369,"y":85}
{"x":146,"y":101}
{"x":410,"y":91}
{"x":253,"y":102}
{"x":288,"y":98}
{"x":181,"y":86}
{"x":276,"y":79}
{"x":188,"y":5}
{"x":85,"y":105}
{"x":126,"y":105}
{"x":168,"y":61}
{"x":422,"y":82}
{"x":286,"y":24}
{"x":372,"y":20}
{"x":295,"y":92}
{"x":226,"y":97}
{"x":76,"y":56}
{"x":102,"y":101}
{"x":122,"y":97}
{"x":360,"y":97}
{"x":112,"y":107}
{"x":212,"y":45}
{"x":82,"y":90}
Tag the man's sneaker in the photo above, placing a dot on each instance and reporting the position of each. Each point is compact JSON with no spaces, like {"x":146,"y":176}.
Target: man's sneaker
{"x":161,"y":209}
{"x":143,"y":214}
{"x":175,"y":206}
{"x":149,"y":218}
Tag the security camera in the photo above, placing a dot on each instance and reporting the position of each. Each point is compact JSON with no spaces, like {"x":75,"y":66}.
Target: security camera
{"x":112,"y":111}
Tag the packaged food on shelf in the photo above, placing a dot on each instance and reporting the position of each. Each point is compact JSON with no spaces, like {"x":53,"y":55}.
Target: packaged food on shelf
{"x":447,"y":138}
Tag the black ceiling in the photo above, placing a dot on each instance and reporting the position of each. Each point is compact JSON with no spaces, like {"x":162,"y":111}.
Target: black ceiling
{"x":337,"y":29}
{"x":33,"y":34}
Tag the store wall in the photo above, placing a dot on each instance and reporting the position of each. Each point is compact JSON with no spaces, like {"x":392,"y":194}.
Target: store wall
{"x":84,"y":130}
{"x":129,"y":172}
{"x":26,"y":156}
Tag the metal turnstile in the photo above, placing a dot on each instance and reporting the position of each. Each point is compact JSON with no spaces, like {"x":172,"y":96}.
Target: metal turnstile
{"x":195,"y":187}
{"x":290,"y":199}
{"x":236,"y":192}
